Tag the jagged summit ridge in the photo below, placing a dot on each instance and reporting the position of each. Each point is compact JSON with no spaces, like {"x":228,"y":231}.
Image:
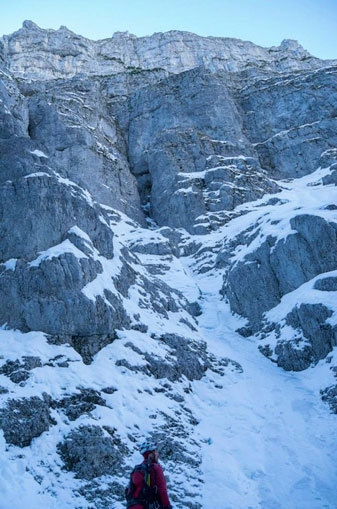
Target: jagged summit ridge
{"x":175,"y":51}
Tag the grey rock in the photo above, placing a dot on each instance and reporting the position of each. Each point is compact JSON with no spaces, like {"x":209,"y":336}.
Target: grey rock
{"x":70,"y":54}
{"x":194,"y":308}
{"x":320,"y":338}
{"x":168,"y":140}
{"x":90,"y":451}
{"x":329,"y":395}
{"x":19,"y":371}
{"x":109,"y":390}
{"x":327,"y":284}
{"x":71,"y":123}
{"x":187,"y":147}
{"x":291,"y":119}
{"x":88,"y":345}
{"x":180,"y":243}
{"x":30,"y":208}
{"x":155,"y":247}
{"x":103,"y":496}
{"x":328,"y":158}
{"x":251,"y":286}
{"x":183,"y":130}
{"x":24,"y":419}
{"x":78,"y":404}
{"x":13,"y":113}
{"x":313,"y":251}
{"x":332,"y":177}
{"x":191,"y":357}
{"x":245,"y":332}
{"x":257,"y":284}
{"x":46,"y":293}
{"x":186,"y":359}
{"x":19,"y":376}
{"x":299,"y":149}
{"x":173,"y":124}
{"x":35,"y":302}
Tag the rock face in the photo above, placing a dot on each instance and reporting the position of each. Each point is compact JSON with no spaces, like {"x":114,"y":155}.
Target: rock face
{"x":117,"y":158}
{"x":42,"y":290}
{"x":205,"y":123}
{"x":312,"y":319}
{"x":257,"y":284}
{"x":70,"y":54}
{"x":291,"y":121}
{"x":286,"y":279}
{"x":187,"y":146}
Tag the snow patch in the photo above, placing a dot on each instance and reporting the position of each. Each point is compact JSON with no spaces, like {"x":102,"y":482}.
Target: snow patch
{"x":54,"y":252}
{"x":39,"y":153}
{"x":10,"y":264}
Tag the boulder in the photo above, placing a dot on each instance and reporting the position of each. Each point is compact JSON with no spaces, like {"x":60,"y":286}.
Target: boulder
{"x":316,"y":338}
{"x":24,"y":419}
{"x":90,"y":452}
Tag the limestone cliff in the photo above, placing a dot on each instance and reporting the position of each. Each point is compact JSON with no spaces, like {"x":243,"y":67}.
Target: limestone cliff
{"x":130,"y":168}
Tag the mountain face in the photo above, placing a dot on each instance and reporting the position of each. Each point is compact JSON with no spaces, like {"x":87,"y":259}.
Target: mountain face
{"x":168,"y":215}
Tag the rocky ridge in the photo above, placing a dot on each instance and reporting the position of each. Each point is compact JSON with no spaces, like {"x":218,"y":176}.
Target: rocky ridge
{"x":70,"y":54}
{"x":122,"y":162}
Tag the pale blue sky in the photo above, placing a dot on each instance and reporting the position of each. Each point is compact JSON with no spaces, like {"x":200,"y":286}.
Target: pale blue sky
{"x":313,"y":23}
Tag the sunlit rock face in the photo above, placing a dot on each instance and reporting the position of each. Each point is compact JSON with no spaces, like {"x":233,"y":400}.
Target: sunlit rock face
{"x":202,"y":123}
{"x":70,"y":54}
{"x":174,"y":129}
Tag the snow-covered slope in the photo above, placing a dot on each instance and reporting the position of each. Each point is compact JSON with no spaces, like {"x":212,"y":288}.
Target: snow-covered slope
{"x":246,"y":434}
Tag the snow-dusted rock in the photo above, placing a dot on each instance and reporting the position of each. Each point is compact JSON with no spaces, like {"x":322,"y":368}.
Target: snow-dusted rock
{"x":291,"y":119}
{"x":24,"y":419}
{"x":256,"y":284}
{"x":186,"y":145}
{"x":329,"y":394}
{"x":91,"y":451}
{"x":319,"y":336}
{"x":101,"y":143}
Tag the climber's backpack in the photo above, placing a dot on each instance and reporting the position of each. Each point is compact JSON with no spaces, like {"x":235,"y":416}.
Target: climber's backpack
{"x":147,"y":496}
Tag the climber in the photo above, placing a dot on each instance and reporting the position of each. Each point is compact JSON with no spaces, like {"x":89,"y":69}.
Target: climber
{"x":147,"y":487}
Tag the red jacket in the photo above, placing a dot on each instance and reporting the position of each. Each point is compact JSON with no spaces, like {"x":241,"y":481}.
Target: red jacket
{"x":157,"y":479}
